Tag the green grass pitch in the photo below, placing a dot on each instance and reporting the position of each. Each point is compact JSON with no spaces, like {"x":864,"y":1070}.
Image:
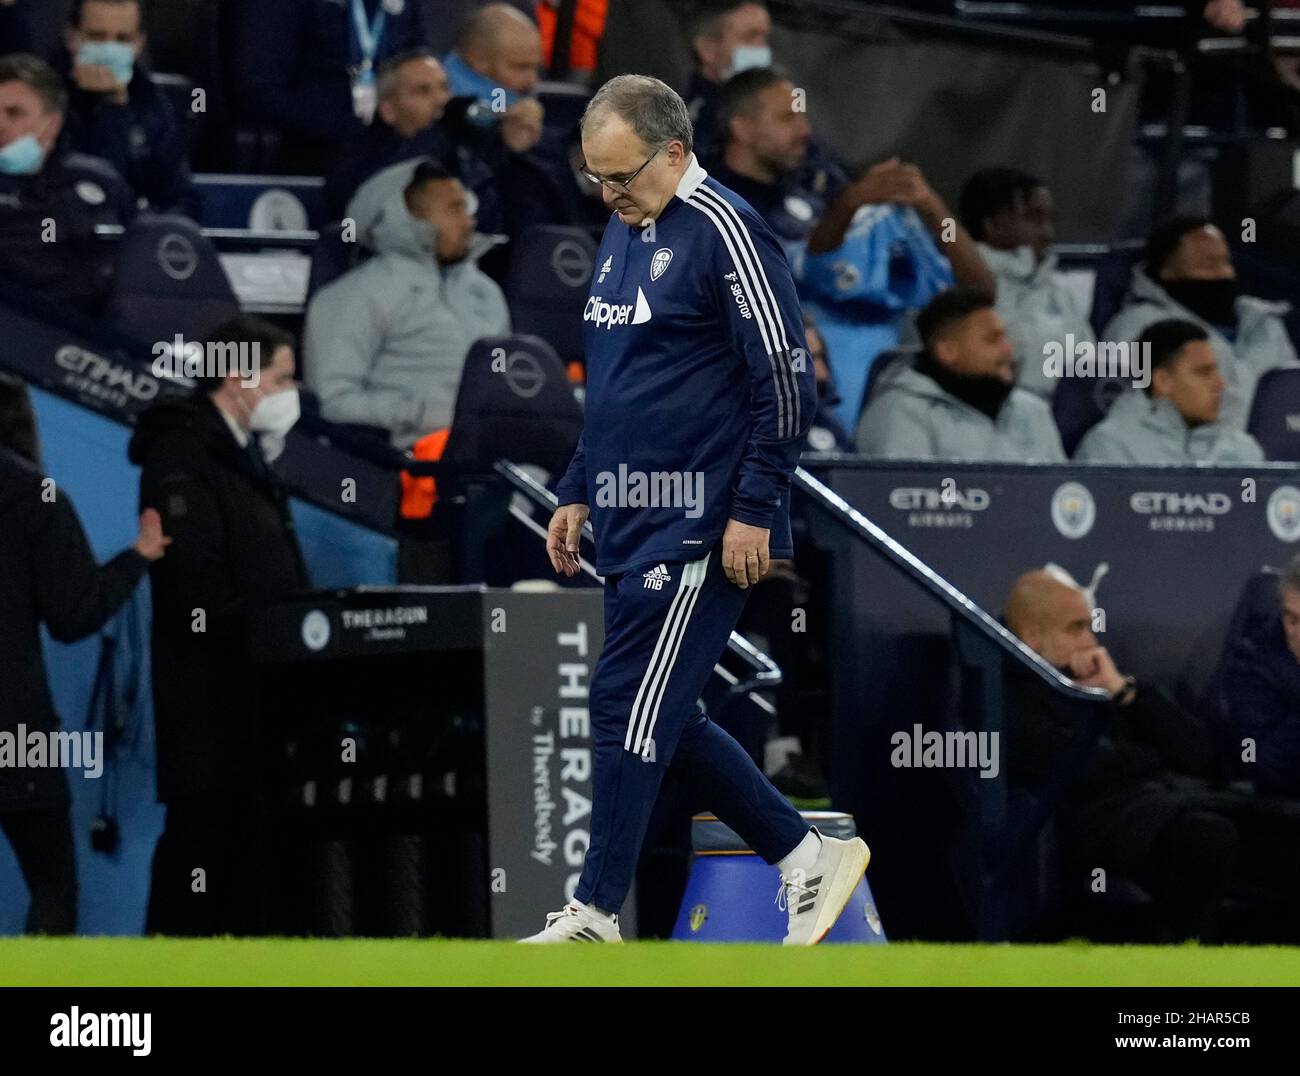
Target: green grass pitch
{"x":438,"y":962}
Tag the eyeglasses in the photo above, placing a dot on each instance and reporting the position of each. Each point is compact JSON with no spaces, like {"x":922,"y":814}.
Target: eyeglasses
{"x":618,"y":184}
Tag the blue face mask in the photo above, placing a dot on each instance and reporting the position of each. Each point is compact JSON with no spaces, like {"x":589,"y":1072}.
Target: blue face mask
{"x":743,"y":57}
{"x":117,"y":56}
{"x":22,"y":157}
{"x":466,"y":82}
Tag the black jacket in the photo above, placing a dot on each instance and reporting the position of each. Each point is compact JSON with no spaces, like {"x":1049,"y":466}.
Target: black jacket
{"x":1261,"y":701}
{"x":49,"y":576}
{"x":47,"y":228}
{"x":233,"y":546}
{"x":1151,"y":753}
{"x":142,"y":139}
{"x":513,"y":190}
{"x":377,"y":147}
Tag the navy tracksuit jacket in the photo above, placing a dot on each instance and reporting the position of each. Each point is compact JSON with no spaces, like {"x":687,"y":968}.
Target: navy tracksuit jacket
{"x":696,"y":365}
{"x":699,"y":394}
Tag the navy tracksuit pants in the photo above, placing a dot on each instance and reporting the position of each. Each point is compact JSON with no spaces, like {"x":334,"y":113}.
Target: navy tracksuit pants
{"x":666,"y":625}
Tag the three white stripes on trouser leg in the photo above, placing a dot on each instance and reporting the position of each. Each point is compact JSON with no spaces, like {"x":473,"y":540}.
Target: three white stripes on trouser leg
{"x":645,"y":710}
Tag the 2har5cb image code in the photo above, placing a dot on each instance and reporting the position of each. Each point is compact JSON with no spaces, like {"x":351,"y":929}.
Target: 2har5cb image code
{"x":1184,"y":1030}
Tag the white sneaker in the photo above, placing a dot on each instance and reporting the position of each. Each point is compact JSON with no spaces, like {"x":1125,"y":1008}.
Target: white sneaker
{"x":576,"y":923}
{"x":816,"y":899}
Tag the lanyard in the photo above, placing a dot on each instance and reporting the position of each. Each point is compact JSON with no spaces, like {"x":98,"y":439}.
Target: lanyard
{"x":369,"y":35}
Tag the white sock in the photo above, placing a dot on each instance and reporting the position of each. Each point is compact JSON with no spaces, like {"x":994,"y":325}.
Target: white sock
{"x":804,"y":855}
{"x":596,"y":911}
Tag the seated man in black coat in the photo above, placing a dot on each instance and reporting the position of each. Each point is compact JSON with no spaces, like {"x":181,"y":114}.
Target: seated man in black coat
{"x":413,"y":94}
{"x":1261,"y":694}
{"x":204,"y":468}
{"x":51,"y":201}
{"x":116,"y":112}
{"x":1147,"y":803}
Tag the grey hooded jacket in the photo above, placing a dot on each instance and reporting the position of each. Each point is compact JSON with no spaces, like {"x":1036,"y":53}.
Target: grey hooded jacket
{"x":910,"y":417}
{"x":386,"y":342}
{"x":1262,"y":342}
{"x":1037,"y":306}
{"x":1140,"y":430}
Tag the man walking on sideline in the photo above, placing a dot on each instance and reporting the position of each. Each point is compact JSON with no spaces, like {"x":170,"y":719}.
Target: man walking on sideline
{"x":699,"y":395}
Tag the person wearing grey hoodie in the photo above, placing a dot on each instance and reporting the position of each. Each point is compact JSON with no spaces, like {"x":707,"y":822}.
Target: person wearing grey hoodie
{"x":1010,"y":214}
{"x":958,"y":399}
{"x":386,"y":342}
{"x":1188,"y":275}
{"x":1176,"y":418}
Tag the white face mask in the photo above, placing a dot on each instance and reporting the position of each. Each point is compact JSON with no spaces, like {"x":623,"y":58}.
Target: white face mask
{"x":276,"y":413}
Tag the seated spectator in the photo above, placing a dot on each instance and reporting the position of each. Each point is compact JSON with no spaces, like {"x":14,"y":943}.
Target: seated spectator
{"x":51,"y":200}
{"x":511,"y":190}
{"x":1011,"y":217}
{"x":1261,"y":694}
{"x":1188,"y":274}
{"x":387,"y":341}
{"x":767,"y":155}
{"x":309,"y":68}
{"x":496,"y":63}
{"x":958,"y":400}
{"x":1175,"y":418}
{"x":519,"y":177}
{"x":116,"y":113}
{"x":729,"y":36}
{"x":864,"y":254}
{"x":1146,"y":804}
{"x":413,"y":94}
{"x":880,"y":252}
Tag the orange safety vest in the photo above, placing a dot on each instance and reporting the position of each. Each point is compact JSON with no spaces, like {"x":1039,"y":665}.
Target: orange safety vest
{"x":588,"y":29}
{"x":419,"y":495}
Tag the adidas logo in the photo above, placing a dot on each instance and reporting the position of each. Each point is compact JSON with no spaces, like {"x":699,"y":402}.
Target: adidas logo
{"x":609,"y":264}
{"x":656,"y":577}
{"x":808,"y":897}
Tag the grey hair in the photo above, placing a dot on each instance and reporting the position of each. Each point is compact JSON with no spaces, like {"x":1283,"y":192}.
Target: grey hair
{"x":653,"y":109}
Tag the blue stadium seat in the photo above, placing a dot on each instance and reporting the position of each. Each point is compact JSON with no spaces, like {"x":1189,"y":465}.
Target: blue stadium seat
{"x":331,"y":257}
{"x":515,"y":402}
{"x":546,"y":285}
{"x":169,"y":280}
{"x":1080,"y":403}
{"x":1275,"y":415}
{"x":1110,"y":285}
